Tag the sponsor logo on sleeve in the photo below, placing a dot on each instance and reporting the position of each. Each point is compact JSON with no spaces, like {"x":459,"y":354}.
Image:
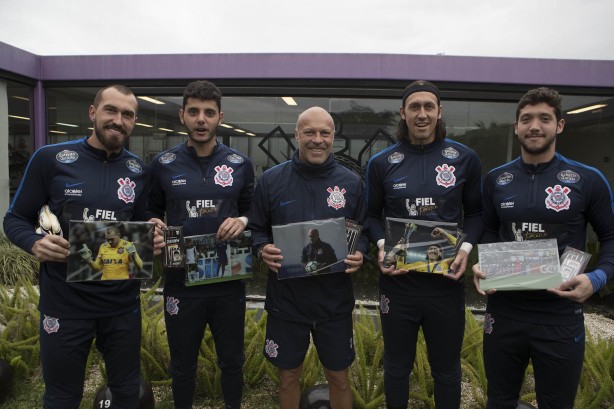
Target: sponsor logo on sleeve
{"x":66,"y":156}
{"x":450,"y":153}
{"x":167,"y":158}
{"x":568,"y":176}
{"x":505,"y":179}
{"x":134,"y":166}
{"x":234,"y":158}
{"x":396,"y":157}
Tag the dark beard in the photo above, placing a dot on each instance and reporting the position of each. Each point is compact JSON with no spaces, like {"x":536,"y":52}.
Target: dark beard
{"x":212,"y":136}
{"x":536,"y":151}
{"x":108,"y":144}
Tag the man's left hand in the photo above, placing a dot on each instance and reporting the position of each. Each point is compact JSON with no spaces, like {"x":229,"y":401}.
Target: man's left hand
{"x":230,"y":228}
{"x":353,"y":262}
{"x":578,"y":288}
{"x":458,"y":266}
{"x":158,"y":240}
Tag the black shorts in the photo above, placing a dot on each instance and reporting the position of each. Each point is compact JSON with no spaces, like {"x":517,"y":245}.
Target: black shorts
{"x":287,"y":342}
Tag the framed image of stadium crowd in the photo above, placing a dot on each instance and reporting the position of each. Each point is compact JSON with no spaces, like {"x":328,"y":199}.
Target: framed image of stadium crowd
{"x":102,"y":250}
{"x":421,"y":245}
{"x":313,"y":247}
{"x":520,"y":265}
{"x":208,"y":260}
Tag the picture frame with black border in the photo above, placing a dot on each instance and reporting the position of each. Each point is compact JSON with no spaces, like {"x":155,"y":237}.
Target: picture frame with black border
{"x":109,"y":250}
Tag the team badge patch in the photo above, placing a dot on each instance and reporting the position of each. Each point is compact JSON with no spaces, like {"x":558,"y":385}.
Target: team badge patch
{"x":384,"y":306}
{"x":568,"y":176}
{"x":51,"y":325}
{"x":223,"y":176}
{"x":270,"y":348}
{"x":172,"y":305}
{"x":234,"y":158}
{"x":396,"y":157}
{"x":445,"y":175}
{"x":488,"y":321}
{"x":450,"y":153}
{"x":66,"y":156}
{"x":505,"y":179}
{"x":167,"y":158}
{"x":134,"y":166}
{"x":126,"y":190}
{"x":557,"y":198}
{"x":336,"y":200}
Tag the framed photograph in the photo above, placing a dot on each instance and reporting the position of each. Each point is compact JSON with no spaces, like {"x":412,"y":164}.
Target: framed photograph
{"x":423,"y":246}
{"x":208,"y":260}
{"x":101,"y":250}
{"x":312,"y":248}
{"x":520,"y":265}
{"x":173,"y":250}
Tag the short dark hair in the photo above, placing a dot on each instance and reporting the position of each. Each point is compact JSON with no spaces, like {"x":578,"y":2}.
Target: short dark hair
{"x":203,"y":90}
{"x":121,"y":88}
{"x":539,"y":95}
{"x":416,"y":86}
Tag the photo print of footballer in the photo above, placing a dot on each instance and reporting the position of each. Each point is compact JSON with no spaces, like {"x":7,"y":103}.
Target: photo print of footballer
{"x":422,"y":246}
{"x":314,"y":247}
{"x":209,"y":260}
{"x":110,"y":251}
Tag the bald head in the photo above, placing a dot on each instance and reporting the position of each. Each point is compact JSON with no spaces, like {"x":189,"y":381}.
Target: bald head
{"x":314,"y":113}
{"x":315,"y":132}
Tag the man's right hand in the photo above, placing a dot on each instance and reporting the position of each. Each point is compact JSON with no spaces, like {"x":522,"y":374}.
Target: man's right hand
{"x":51,"y":248}
{"x":384,"y":267}
{"x":271,"y":256}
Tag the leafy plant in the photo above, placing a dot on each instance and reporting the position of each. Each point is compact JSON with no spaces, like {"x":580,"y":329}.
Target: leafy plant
{"x":19,"y":319}
{"x":472,"y":359}
{"x":16,"y":264}
{"x":366,"y":373}
{"x":155,"y":355}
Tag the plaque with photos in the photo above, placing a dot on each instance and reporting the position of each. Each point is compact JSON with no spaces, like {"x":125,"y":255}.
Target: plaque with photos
{"x":520,"y":265}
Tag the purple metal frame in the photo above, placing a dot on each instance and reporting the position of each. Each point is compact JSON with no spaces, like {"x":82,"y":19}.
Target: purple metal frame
{"x":484,"y":70}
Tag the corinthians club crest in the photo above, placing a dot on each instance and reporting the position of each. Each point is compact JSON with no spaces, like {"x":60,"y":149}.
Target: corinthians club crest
{"x":445,"y":175}
{"x":336,"y":200}
{"x":557,"y":198}
{"x":126,"y":190}
{"x":223,"y":175}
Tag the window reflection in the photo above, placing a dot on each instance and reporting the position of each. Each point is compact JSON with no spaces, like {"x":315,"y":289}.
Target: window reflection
{"x":263,"y":128}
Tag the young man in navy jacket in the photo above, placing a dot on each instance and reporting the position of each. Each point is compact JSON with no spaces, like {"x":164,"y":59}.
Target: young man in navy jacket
{"x":424,"y":176}
{"x":206,"y":187}
{"x":542,"y":190}
{"x":94,"y":178}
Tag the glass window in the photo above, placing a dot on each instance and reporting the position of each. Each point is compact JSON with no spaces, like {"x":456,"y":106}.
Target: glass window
{"x":20,"y":136}
{"x":262,"y":126}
